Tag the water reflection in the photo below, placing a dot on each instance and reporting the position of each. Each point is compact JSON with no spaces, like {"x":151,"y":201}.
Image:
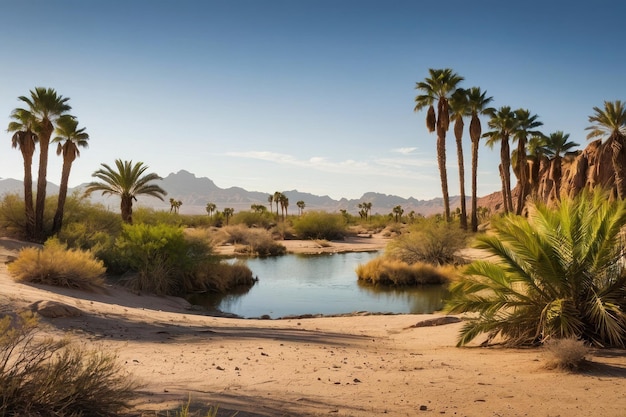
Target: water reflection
{"x":319,"y":284}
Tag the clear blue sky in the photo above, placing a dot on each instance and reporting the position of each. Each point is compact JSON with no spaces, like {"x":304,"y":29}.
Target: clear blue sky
{"x":309,"y":95}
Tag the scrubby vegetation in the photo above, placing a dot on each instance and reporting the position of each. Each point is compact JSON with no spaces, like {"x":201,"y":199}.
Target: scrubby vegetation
{"x":320,"y":225}
{"x":557,"y":274}
{"x":54,"y":264}
{"x":48,"y":378}
{"x":382,"y":271}
{"x":249,"y":241}
{"x":428,"y":241}
{"x":565,"y":354}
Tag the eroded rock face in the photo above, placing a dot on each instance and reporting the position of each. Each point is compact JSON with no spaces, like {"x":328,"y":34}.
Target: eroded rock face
{"x":54,"y":309}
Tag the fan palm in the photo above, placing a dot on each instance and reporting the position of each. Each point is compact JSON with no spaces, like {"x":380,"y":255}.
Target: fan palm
{"x":526,"y":125}
{"x":459,"y":108}
{"x":210,"y":208}
{"x":611,"y":121}
{"x":24,"y":138}
{"x":478,"y":103}
{"x":558,"y":274}
{"x":503,"y":124}
{"x":128,"y":181}
{"x":45,"y":106}
{"x":555,"y":146}
{"x":438,"y":87}
{"x":69,"y":140}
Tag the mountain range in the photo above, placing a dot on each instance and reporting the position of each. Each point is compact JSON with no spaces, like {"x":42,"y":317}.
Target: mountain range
{"x":196,"y":192}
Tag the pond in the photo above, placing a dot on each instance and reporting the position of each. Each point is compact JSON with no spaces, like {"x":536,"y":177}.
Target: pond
{"x":293,"y":285}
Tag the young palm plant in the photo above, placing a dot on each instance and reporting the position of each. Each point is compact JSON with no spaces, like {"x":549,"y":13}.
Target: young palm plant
{"x":557,"y":274}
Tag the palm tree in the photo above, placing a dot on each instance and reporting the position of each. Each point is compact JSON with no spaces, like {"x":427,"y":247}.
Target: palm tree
{"x":554,"y":147}
{"x":398,"y":211}
{"x":69,"y":140}
{"x":284,"y":203}
{"x":558,"y":274}
{"x":459,"y":108}
{"x":611,"y":121}
{"x":478,"y":103}
{"x":228,"y":213}
{"x":503,"y":124}
{"x":24,"y":138}
{"x":45,"y":106}
{"x":128,"y":181}
{"x":526,"y":125}
{"x":438,"y":87}
{"x":301,"y":204}
{"x":365,"y":207}
{"x":210,"y":208}
{"x":276,"y":198}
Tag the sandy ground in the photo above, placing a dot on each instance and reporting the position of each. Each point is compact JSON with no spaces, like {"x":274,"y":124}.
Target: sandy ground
{"x":339,"y":366}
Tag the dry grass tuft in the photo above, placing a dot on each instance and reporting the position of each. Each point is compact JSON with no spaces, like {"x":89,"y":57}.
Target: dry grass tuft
{"x":59,"y":266}
{"x":565,"y":354}
{"x":382,"y":271}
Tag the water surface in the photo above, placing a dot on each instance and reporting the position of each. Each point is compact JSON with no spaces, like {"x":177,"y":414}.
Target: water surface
{"x":319,"y":284}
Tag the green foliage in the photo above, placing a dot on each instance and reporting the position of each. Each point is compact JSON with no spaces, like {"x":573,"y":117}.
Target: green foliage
{"x":320,"y":225}
{"x":263,"y":219}
{"x":558,"y":274}
{"x":251,"y":241}
{"x":381,"y":271}
{"x":430,"y":241}
{"x":43,"y":377}
{"x":55,"y":265}
{"x":169,"y":261}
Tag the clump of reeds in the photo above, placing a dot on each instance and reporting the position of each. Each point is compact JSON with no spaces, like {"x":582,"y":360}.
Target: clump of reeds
{"x":389,"y":272}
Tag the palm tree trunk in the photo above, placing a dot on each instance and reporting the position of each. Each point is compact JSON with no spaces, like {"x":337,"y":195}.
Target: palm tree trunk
{"x":443,"y":174}
{"x":44,"y":142}
{"x":126,"y":207}
{"x":458,"y":133}
{"x":522,"y":168}
{"x":28,"y":192}
{"x":618,"y":159}
{"x":505,"y":155}
{"x":65,"y":176}
{"x":475,"y":132}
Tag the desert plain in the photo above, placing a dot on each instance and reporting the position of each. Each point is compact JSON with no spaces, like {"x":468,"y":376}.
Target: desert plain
{"x":355,"y":365}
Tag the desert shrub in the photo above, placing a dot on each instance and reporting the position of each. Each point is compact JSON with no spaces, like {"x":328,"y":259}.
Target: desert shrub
{"x":253,"y":219}
{"x":44,"y":377}
{"x":565,"y":354}
{"x":159,"y":254}
{"x":283,"y":230}
{"x":559,"y":273}
{"x":388,"y":272}
{"x":320,"y":225}
{"x":13,"y":216}
{"x":251,"y":241}
{"x":170,"y":261}
{"x":428,"y":241}
{"x":54,"y":264}
{"x":222,"y":277}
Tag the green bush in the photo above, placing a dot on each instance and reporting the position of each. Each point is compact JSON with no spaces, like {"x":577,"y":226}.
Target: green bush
{"x":54,"y":264}
{"x":320,"y":225}
{"x":428,"y":241}
{"x":253,"y":219}
{"x":169,"y":261}
{"x":47,"y":378}
{"x":381,"y":271}
{"x":559,"y":273}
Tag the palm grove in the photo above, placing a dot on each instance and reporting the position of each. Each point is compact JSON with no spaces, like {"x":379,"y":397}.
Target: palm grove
{"x":556,"y":266}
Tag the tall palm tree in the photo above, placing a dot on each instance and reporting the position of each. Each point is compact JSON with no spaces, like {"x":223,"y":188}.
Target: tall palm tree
{"x":24,"y":138}
{"x":526,"y":125}
{"x":478,"y":103}
{"x":438,"y":87}
{"x":210,"y":208}
{"x":555,"y":146}
{"x":503,"y":124}
{"x":611,"y":121}
{"x":228,"y":213}
{"x":557,"y":274}
{"x":69,"y":140}
{"x":276,"y":198}
{"x":301,"y":204}
{"x":46,"y":106}
{"x":127,"y":181}
{"x":459,"y":108}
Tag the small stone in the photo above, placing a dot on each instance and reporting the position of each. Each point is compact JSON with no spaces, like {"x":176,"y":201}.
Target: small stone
{"x":423,"y":408}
